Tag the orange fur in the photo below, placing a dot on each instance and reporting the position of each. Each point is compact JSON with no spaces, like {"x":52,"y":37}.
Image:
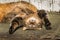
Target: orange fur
{"x":14,"y":6}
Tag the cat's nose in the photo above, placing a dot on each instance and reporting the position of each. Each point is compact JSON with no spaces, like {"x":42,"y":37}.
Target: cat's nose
{"x":32,"y":21}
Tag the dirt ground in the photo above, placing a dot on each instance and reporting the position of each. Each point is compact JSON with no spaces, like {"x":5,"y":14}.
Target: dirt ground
{"x":42,"y":34}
